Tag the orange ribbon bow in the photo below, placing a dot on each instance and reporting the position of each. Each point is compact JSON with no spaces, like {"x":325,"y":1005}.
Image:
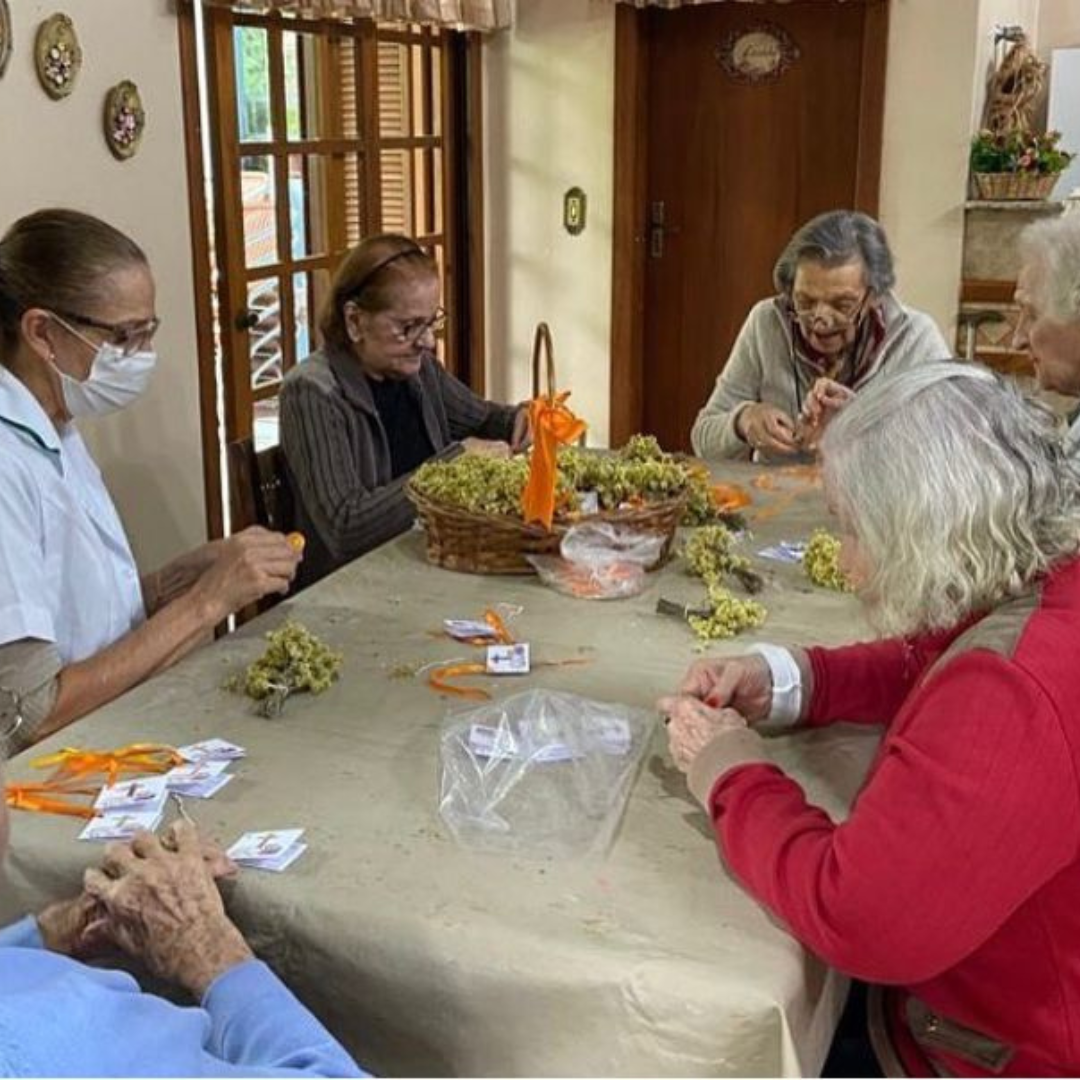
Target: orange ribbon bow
{"x":552,"y":425}
{"x":74,"y":767}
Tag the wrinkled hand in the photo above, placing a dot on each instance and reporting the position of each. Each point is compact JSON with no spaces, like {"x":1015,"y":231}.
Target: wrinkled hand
{"x":743,"y":683}
{"x":163,"y":909}
{"x":765,"y":427}
{"x":492,"y":448}
{"x":217,"y":863}
{"x":75,"y":927}
{"x":521,"y":438}
{"x":249,"y":565}
{"x":692,"y":725}
{"x":827,"y":397}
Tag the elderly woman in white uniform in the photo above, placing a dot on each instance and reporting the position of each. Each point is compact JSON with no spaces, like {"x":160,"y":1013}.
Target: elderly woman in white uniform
{"x":78,"y":626}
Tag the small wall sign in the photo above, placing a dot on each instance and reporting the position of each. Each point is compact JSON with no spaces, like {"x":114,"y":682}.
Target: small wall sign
{"x":759,"y":53}
{"x":125,"y":120}
{"x":574,"y":206}
{"x":57,"y":56}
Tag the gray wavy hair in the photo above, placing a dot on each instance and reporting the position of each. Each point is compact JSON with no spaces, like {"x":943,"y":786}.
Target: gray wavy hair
{"x":958,"y":490}
{"x":836,"y":238}
{"x":1053,"y":247}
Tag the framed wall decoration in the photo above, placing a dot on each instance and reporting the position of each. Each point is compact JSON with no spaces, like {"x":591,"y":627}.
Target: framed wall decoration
{"x":5,"y":36}
{"x":57,"y":56}
{"x":759,"y":53}
{"x":125,"y":120}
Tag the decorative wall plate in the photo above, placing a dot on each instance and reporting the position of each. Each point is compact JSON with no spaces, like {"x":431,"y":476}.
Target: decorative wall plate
{"x":759,"y":53}
{"x":57,"y":55}
{"x":5,"y":36}
{"x":125,"y":120}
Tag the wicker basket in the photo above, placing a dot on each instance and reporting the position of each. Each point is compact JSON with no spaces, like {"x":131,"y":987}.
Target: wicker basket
{"x":1017,"y":185}
{"x":459,"y":539}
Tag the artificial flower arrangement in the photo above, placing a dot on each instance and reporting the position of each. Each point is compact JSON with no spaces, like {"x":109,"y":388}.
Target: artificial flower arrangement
{"x":1017,"y":164}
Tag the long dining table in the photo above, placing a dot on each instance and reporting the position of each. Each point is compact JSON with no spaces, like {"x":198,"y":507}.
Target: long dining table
{"x":428,"y":958}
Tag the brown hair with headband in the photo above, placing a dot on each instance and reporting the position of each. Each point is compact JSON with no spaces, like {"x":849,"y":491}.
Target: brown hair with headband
{"x":370,"y":276}
{"x":57,"y":259}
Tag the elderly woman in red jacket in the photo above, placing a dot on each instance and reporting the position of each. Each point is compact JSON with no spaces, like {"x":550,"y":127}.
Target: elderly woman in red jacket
{"x":952,"y":887}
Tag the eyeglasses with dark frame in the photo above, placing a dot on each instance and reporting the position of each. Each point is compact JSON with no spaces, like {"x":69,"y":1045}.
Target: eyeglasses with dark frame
{"x":129,"y":338}
{"x":410,"y":331}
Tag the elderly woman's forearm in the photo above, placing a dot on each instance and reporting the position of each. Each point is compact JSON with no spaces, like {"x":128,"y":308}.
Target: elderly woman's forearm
{"x":162,"y":640}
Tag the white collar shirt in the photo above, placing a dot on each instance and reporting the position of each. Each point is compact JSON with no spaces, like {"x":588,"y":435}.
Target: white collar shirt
{"x":67,"y":575}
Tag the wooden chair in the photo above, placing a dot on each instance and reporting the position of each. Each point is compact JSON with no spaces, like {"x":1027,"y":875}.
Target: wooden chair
{"x":259,"y":494}
{"x":259,"y":487}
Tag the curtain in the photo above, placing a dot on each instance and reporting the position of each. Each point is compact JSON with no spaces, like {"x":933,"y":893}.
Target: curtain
{"x":454,"y":14}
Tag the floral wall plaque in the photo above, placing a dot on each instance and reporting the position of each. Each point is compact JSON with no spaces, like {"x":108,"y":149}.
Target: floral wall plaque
{"x":759,"y":53}
{"x":5,"y":35}
{"x":57,"y":56}
{"x":125,"y":120}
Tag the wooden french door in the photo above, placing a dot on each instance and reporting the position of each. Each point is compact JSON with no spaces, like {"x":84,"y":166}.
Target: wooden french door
{"x":735,"y":123}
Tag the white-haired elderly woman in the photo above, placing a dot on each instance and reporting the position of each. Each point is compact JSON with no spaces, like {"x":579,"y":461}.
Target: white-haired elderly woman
{"x":1048,"y":292}
{"x":953,"y":883}
{"x":834,"y":325}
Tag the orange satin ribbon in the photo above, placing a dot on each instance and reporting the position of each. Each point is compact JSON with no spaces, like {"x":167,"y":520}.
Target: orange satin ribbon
{"x":438,"y":676}
{"x":134,"y":758}
{"x":552,"y":425}
{"x":45,"y":799}
{"x":74,"y":767}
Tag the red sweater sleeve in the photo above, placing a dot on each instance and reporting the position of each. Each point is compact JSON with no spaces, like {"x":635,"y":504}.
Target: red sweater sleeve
{"x":958,"y":826}
{"x":867,"y":683}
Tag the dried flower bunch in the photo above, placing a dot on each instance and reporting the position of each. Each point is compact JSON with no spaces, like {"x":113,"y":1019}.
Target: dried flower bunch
{"x":822,"y":562}
{"x":710,"y":555}
{"x":295,"y":660}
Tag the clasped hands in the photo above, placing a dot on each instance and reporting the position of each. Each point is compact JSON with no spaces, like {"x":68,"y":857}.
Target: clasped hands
{"x":768,"y":428}
{"x":158,"y":901}
{"x":714,"y":697}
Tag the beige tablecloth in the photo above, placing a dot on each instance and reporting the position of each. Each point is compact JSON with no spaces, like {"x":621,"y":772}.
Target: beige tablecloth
{"x":425,"y":958}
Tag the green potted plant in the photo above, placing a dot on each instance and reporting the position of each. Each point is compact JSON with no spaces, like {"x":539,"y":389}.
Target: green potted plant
{"x":1017,"y":164}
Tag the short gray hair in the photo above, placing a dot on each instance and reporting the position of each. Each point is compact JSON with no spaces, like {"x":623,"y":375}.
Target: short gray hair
{"x":958,"y":490}
{"x":836,"y":238}
{"x":1053,"y":246}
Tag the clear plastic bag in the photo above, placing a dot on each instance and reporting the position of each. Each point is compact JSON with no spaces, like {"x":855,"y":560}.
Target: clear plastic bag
{"x":600,"y":561}
{"x":540,"y":773}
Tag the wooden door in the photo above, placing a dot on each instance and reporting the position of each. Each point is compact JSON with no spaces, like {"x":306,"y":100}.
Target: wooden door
{"x":732,"y":163}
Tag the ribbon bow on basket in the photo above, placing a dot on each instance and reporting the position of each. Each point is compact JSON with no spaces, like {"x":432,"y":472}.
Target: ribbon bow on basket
{"x":553,"y":424}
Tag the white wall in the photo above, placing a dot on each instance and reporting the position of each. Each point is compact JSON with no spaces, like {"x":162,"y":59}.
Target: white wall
{"x":53,"y":154}
{"x":549,"y":93}
{"x":549,"y":112}
{"x":924,"y":167}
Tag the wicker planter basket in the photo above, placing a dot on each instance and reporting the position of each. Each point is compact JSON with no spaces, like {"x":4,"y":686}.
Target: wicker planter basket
{"x":1018,"y":185}
{"x":459,"y":539}
{"x":489,"y":544}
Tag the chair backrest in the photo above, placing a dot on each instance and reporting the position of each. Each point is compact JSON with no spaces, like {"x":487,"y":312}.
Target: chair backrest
{"x":259,"y":487}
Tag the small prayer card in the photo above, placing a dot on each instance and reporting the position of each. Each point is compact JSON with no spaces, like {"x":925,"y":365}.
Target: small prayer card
{"x":508,"y":659}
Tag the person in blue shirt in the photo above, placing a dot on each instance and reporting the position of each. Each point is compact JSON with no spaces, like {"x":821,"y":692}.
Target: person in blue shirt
{"x":158,"y":901}
{"x":78,"y":625}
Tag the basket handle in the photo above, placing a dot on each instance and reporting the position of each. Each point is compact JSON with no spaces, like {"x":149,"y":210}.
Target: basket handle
{"x":543,"y":350}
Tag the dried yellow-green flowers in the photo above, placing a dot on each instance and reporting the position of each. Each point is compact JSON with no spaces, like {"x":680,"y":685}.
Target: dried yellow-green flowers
{"x":729,"y":616}
{"x":295,"y":660}
{"x":822,"y":561}
{"x":641,"y":472}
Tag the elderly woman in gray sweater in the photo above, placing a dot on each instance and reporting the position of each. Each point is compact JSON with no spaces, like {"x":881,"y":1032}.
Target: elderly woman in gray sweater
{"x":833,"y":325}
{"x":366,"y":410}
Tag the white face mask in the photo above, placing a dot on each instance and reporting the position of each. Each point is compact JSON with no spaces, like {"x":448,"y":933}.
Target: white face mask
{"x":115,"y":381}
